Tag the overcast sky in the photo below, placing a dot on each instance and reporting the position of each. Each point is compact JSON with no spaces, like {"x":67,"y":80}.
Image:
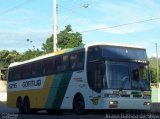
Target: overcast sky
{"x":33,"y":19}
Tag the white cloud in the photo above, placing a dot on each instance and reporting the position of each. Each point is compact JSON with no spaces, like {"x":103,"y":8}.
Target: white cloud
{"x":112,"y":14}
{"x":153,"y":55}
{"x":83,"y":24}
{"x":20,"y":24}
{"x":16,"y":40}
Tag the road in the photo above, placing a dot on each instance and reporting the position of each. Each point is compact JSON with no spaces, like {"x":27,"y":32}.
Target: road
{"x":8,"y":113}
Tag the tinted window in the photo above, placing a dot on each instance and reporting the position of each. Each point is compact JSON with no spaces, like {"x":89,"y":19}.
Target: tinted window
{"x":26,"y":70}
{"x":48,"y":66}
{"x":59,"y":64}
{"x":96,"y":76}
{"x":17,"y":71}
{"x":118,"y":76}
{"x":124,"y":53}
{"x":65,"y":60}
{"x":36,"y":68}
{"x":140,"y":80}
{"x":94,"y":53}
{"x":77,"y":60}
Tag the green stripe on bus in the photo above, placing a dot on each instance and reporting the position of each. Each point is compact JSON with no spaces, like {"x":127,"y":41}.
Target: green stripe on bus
{"x":62,"y":90}
{"x":58,"y":90}
{"x":53,"y":91}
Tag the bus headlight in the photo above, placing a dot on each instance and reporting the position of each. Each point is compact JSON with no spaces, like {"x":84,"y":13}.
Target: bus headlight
{"x":113,"y":102}
{"x":147,"y":103}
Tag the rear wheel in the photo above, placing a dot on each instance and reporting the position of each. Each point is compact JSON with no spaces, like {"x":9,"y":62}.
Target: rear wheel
{"x":26,"y":104}
{"x":79,"y":105}
{"x":19,"y":105}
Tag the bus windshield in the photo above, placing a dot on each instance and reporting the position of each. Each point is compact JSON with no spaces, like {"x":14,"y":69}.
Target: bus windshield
{"x":140,"y":76}
{"x":121,"y":75}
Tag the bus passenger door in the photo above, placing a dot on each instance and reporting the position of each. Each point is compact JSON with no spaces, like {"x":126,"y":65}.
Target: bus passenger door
{"x":97,"y":81}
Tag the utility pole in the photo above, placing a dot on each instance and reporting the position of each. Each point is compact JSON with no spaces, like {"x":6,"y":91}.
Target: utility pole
{"x":55,"y":25}
{"x":157,"y":63}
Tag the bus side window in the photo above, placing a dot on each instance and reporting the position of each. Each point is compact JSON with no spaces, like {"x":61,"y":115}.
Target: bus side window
{"x":36,"y":69}
{"x":48,"y":66}
{"x":58,"y":64}
{"x":77,"y":60}
{"x":73,"y":59}
{"x":65,"y":62}
{"x":80,"y":60}
{"x":26,"y":71}
{"x":17,"y":73}
{"x":94,"y":53}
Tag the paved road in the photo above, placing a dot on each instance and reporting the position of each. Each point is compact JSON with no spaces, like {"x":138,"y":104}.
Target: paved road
{"x":8,"y":113}
{"x":74,"y":116}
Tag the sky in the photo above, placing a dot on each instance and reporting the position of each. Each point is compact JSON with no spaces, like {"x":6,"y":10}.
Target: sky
{"x":33,"y":19}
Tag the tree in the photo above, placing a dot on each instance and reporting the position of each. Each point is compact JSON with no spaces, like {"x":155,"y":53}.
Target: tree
{"x":31,"y":54}
{"x":66,"y":39}
{"x":154,"y":75}
{"x":8,"y":57}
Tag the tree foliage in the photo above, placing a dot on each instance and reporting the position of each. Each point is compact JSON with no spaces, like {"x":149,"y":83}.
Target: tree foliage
{"x":31,"y":54}
{"x":66,"y":39}
{"x":154,"y":75}
{"x":8,"y":57}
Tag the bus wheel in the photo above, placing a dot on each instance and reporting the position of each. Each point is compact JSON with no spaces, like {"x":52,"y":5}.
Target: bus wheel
{"x":19,"y":105}
{"x":26,"y":104}
{"x":79,"y":105}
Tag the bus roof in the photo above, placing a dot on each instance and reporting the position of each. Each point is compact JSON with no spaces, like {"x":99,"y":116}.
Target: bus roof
{"x":74,"y":49}
{"x":115,"y":44}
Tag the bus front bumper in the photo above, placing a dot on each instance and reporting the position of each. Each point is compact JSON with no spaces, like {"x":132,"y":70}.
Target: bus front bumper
{"x":124,"y":103}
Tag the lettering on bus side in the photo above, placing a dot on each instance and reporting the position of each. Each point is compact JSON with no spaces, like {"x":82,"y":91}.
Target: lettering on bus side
{"x":11,"y":86}
{"x":32,"y":83}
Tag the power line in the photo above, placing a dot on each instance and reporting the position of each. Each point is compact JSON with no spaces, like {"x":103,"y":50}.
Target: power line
{"x":73,"y":8}
{"x":120,"y":25}
{"x":15,"y":7}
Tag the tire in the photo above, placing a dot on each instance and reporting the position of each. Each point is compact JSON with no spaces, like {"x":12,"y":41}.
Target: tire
{"x":79,"y":105}
{"x":26,"y":105}
{"x":19,"y":105}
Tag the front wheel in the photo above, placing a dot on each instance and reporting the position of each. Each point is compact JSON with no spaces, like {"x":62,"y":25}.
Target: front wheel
{"x":79,"y":105}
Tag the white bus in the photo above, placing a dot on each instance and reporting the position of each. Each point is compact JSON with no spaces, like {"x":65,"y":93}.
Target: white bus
{"x":99,"y":76}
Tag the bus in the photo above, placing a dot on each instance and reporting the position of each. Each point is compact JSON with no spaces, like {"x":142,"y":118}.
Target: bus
{"x":99,"y":76}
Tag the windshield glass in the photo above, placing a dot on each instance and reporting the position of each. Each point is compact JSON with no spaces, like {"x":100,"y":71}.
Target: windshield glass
{"x":140,"y":76}
{"x":121,"y":75}
{"x":118,"y":76}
